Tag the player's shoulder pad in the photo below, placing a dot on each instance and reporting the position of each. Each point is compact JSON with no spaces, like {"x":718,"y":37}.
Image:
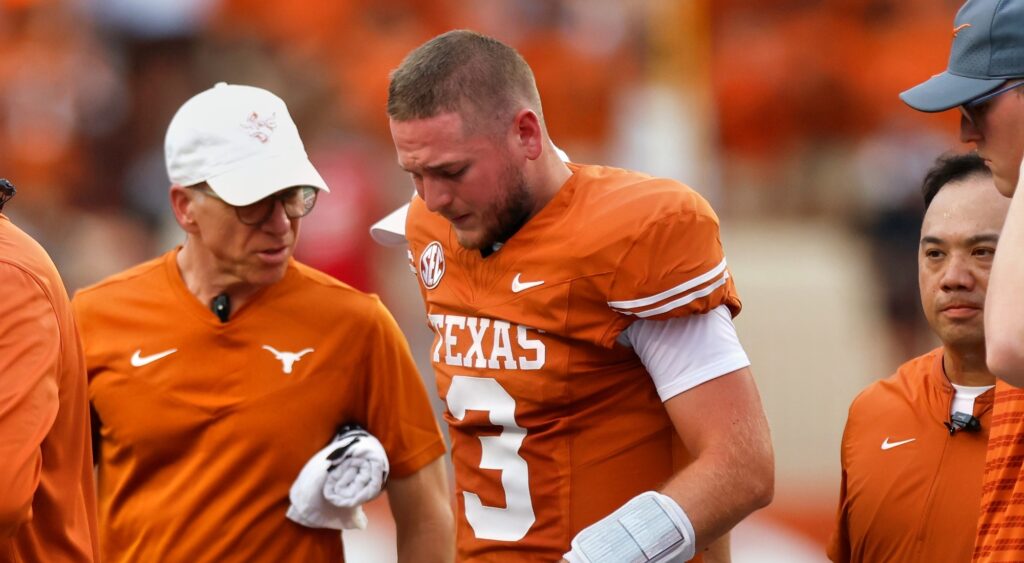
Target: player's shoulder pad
{"x":617,"y":211}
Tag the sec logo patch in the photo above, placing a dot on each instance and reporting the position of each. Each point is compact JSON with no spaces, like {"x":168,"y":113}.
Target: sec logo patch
{"x":432,"y":265}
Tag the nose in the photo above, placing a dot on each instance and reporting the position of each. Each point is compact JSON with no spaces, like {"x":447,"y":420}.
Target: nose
{"x":278,"y":222}
{"x":958,"y":275}
{"x":969,"y":132}
{"x":435,"y":194}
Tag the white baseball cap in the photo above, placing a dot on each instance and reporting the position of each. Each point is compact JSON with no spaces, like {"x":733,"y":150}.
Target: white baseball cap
{"x":390,"y":231}
{"x":241,"y":141}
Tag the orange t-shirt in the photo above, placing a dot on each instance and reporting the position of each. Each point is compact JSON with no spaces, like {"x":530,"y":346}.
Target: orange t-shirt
{"x":48,"y":500}
{"x":553,"y":424}
{"x":909,"y":490}
{"x":205,"y":425}
{"x":1001,"y":524}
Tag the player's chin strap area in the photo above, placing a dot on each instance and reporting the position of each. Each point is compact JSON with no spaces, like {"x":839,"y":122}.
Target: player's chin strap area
{"x":651,"y":527}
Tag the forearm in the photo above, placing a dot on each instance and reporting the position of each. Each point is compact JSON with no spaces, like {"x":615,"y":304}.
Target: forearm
{"x":1004,"y":314}
{"x":429,"y":541}
{"x":421,"y":505}
{"x":723,"y":427}
{"x":720,"y":551}
{"x":721,"y":488}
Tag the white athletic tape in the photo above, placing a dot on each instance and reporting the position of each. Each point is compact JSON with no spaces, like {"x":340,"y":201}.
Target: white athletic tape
{"x":650,"y":528}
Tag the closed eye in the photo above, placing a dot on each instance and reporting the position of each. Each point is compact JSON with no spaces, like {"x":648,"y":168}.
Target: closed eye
{"x":453,"y":174}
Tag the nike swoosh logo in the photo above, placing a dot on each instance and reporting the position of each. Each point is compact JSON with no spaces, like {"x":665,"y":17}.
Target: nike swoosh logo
{"x":518,"y":286}
{"x":138,"y":360}
{"x":887,"y":445}
{"x":959,"y":28}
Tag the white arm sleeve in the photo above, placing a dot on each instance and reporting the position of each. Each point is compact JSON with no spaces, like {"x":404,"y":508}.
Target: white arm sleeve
{"x":683,"y":352}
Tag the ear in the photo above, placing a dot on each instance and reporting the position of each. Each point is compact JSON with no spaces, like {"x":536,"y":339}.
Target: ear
{"x":183,"y":206}
{"x":528,"y":132}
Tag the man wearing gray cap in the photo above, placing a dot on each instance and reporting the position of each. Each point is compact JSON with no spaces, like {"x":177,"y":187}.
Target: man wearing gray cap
{"x":218,"y":369}
{"x":984,"y":79}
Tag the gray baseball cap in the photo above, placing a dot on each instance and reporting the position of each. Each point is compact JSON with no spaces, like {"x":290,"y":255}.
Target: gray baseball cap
{"x":988,"y":50}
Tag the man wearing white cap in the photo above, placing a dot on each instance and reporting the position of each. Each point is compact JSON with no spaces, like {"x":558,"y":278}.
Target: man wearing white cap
{"x":983,"y":80}
{"x":217,"y":370}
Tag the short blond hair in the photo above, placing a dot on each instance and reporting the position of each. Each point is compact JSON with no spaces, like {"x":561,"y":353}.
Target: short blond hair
{"x":466,"y":72}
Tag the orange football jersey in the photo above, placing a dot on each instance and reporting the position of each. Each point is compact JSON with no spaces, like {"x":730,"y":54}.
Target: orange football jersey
{"x":554,"y":424}
{"x":204,"y":425}
{"x":1001,"y":524}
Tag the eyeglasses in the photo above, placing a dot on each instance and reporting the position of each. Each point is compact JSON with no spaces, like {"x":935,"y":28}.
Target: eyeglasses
{"x":297,"y":202}
{"x":974,"y":111}
{"x":7,"y":191}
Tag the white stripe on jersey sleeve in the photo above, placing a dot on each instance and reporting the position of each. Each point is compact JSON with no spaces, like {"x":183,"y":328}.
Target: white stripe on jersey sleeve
{"x":683,"y":352}
{"x":672,"y":292}
{"x":684,"y":300}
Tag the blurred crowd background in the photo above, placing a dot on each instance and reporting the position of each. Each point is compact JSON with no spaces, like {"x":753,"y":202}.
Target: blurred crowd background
{"x":783,"y":113}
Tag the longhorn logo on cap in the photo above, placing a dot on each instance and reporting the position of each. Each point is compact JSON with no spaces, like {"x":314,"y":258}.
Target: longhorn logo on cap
{"x":260,"y":129}
{"x":959,"y":28}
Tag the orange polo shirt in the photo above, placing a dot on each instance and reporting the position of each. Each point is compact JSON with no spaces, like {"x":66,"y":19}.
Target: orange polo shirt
{"x":47,"y":495}
{"x":205,"y":425}
{"x":909,"y":490}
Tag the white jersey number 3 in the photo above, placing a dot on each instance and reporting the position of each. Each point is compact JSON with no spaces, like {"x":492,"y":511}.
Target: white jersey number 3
{"x":498,"y":452}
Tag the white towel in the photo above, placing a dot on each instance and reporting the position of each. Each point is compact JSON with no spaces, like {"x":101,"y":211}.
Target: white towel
{"x":359,"y":469}
{"x":337,"y":480}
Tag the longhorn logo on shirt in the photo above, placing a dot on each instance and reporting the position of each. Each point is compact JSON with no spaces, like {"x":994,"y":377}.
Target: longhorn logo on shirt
{"x":432,"y":265}
{"x":287,"y":359}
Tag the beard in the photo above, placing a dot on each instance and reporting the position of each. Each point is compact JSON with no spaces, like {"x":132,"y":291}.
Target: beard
{"x":506,"y":216}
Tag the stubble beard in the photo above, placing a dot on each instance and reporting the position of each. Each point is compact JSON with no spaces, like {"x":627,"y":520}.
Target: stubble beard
{"x":506,"y":216}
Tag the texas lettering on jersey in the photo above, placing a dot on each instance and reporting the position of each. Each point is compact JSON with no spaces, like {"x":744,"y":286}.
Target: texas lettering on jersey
{"x":502,"y":350}
{"x":553,"y":424}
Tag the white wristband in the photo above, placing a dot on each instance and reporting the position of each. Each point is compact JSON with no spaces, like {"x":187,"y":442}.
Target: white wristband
{"x":651,"y":527}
